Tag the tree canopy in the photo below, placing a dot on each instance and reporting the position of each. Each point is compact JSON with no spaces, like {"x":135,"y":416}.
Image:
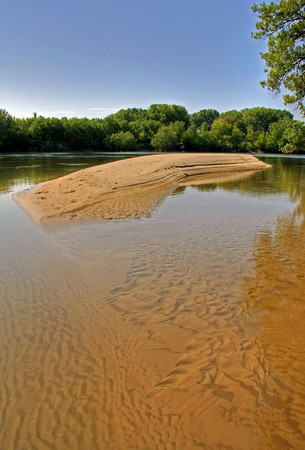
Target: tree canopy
{"x":160,"y":127}
{"x":282,"y":23}
{"x":206,"y":116}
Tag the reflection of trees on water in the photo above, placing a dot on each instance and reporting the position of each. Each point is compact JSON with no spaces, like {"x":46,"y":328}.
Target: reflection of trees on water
{"x":276,"y":294}
{"x":14,"y":177}
{"x":206,"y":187}
{"x":286,"y":177}
{"x":179,"y":190}
{"x":28,"y":170}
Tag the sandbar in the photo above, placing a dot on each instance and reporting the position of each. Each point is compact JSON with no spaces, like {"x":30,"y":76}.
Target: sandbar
{"x":128,"y":188}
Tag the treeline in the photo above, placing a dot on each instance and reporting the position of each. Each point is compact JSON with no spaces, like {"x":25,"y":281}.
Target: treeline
{"x":160,"y":127}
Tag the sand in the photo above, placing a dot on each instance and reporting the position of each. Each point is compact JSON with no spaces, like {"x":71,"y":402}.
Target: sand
{"x":127,"y":188}
{"x":193,"y":348}
{"x":197,"y":344}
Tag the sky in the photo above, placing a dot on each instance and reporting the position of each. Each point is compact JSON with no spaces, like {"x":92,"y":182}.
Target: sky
{"x":90,"y":58}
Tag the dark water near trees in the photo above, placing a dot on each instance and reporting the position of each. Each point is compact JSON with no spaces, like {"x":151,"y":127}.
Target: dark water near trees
{"x":28,"y":169}
{"x":182,"y":330}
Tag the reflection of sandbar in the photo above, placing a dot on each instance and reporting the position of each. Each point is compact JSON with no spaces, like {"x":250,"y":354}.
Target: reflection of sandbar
{"x":127,"y":188}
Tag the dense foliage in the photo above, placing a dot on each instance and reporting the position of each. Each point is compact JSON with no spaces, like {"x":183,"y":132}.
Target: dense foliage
{"x":160,"y":127}
{"x":282,"y":23}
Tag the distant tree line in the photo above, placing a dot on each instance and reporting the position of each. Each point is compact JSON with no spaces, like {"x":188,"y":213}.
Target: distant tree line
{"x":161,"y":127}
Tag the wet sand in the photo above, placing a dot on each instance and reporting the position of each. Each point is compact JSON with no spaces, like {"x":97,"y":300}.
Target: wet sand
{"x":180,"y":333}
{"x":163,"y":358}
{"x":126,"y":188}
{"x":187,"y":347}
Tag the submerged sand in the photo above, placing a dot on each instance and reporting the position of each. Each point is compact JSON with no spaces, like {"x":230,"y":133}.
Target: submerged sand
{"x":198,"y":345}
{"x":126,"y":188}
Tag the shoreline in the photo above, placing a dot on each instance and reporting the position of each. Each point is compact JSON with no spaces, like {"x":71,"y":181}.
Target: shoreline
{"x":128,"y":188}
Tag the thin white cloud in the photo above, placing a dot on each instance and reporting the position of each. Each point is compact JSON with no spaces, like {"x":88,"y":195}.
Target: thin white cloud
{"x":38,"y":112}
{"x":59,"y":112}
{"x":103,"y":110}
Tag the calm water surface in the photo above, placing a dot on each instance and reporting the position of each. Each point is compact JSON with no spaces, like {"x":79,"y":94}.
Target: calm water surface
{"x":183,"y":330}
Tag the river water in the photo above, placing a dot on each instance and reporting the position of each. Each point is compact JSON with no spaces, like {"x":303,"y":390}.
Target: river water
{"x":182,"y":330}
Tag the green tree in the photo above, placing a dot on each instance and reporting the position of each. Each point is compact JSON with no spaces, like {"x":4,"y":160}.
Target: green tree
{"x":6,"y":125}
{"x":83,"y":133}
{"x":252,"y":129}
{"x":295,"y":135}
{"x":275,"y":139}
{"x":235,"y":118}
{"x":167,"y":114}
{"x":198,"y":141}
{"x":191,"y":140}
{"x":227,"y":136}
{"x":282,"y":23}
{"x":206,"y":116}
{"x":207,"y":140}
{"x":178,"y":127}
{"x":232,"y":117}
{"x":255,"y":141}
{"x":123,"y":140}
{"x":144,"y":130}
{"x":167,"y":138}
{"x":47,"y":134}
{"x":259,"y":119}
{"x":222,"y":131}
{"x":287,"y":136}
{"x":110,"y":125}
{"x":130,"y":114}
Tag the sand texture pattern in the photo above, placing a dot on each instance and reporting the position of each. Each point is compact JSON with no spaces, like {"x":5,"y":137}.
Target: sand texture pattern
{"x":126,"y":188}
{"x":173,"y":357}
{"x":181,"y":332}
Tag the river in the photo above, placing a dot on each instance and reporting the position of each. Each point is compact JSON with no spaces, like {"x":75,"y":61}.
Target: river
{"x":180,"y":330}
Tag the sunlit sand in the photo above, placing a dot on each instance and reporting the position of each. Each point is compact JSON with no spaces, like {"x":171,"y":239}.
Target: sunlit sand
{"x":181,"y":331}
{"x":126,"y":188}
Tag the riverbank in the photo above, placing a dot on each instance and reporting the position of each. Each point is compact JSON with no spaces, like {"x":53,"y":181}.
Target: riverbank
{"x":125,"y":188}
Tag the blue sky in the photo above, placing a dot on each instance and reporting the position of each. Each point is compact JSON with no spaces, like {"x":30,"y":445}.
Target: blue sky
{"x":91,"y":58}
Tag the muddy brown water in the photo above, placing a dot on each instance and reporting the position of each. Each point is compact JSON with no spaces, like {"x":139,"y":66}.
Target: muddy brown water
{"x":182,"y":330}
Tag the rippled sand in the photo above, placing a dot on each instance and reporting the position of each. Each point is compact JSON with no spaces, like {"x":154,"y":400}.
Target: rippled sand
{"x":162,"y":361}
{"x":156,"y":334}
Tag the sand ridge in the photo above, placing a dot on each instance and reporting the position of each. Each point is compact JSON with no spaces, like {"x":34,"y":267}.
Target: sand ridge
{"x":126,"y":188}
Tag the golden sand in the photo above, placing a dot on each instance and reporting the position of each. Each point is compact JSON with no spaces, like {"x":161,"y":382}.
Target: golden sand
{"x":196,"y":343}
{"x":126,"y":188}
